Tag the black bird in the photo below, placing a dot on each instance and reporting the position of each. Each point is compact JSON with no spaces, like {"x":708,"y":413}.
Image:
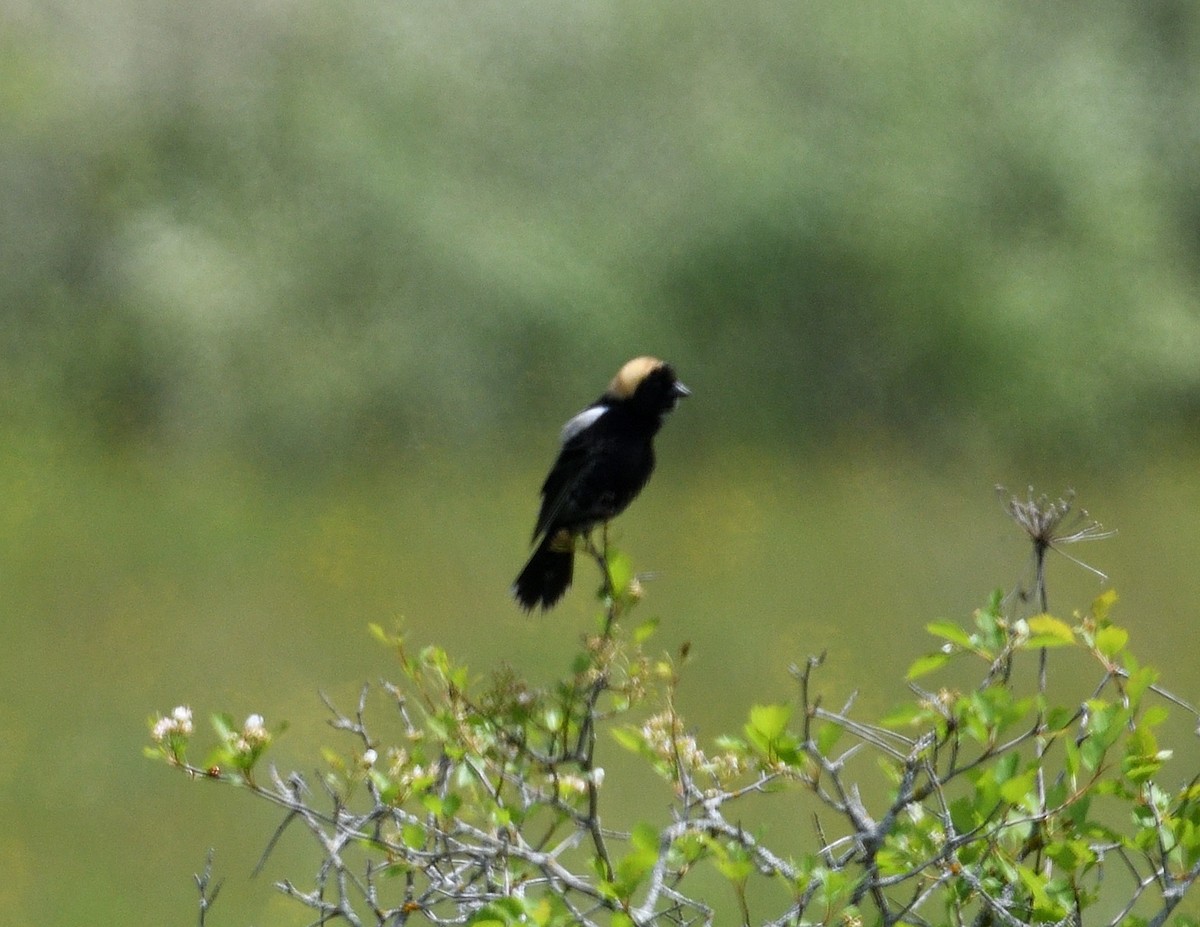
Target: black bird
{"x":606,"y":458}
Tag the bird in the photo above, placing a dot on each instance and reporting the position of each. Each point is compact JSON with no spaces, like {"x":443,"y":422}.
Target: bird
{"x":606,"y":457}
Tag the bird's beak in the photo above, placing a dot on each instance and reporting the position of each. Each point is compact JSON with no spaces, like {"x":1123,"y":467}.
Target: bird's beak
{"x":681,"y":391}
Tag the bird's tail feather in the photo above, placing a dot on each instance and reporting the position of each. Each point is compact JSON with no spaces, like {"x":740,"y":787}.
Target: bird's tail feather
{"x":547,"y":575}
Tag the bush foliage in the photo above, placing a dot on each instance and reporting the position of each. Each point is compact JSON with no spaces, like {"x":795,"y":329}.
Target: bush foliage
{"x":1003,"y":803}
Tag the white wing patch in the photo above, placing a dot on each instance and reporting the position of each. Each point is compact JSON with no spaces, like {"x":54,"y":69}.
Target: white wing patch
{"x":583,"y":420}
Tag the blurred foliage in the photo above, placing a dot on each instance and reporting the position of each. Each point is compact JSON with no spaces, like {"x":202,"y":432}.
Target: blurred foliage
{"x":306,"y":229}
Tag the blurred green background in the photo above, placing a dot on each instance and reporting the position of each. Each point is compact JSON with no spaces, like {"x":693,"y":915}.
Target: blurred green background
{"x":294,"y":297}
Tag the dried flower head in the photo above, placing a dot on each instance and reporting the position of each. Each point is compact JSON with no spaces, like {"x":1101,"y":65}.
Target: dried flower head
{"x":1050,"y":524}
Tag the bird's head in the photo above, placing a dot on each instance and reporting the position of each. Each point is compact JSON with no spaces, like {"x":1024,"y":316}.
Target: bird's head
{"x":648,"y":382}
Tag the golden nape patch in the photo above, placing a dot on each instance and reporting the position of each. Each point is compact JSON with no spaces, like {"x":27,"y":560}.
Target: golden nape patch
{"x":630,"y":376}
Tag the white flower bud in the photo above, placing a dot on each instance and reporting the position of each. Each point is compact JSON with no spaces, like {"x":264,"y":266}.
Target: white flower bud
{"x":162,"y":727}
{"x":183,"y":719}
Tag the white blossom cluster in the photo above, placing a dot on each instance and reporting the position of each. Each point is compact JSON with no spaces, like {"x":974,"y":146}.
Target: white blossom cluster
{"x":663,"y":733}
{"x":177,"y":723}
{"x":254,"y":735}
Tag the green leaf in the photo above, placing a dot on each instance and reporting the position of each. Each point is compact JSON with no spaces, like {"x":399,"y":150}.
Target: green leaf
{"x":770,"y":721}
{"x":827,"y":737}
{"x":838,"y":885}
{"x":225,"y":726}
{"x":967,"y":814}
{"x":735,"y":868}
{"x":1142,"y":759}
{"x":1154,"y":716}
{"x":1017,"y":789}
{"x":1111,"y":640}
{"x":644,"y":631}
{"x":629,"y":738}
{"x":503,"y":817}
{"x":1091,"y":753}
{"x":1140,"y":679}
{"x":927,"y":664}
{"x":620,"y":570}
{"x":951,"y":632}
{"x":892,"y":862}
{"x":730,"y":744}
{"x":1071,"y":758}
{"x":1048,"y":631}
{"x":1102,"y":605}
{"x":988,"y":621}
{"x":500,"y":913}
{"x":906,"y":716}
{"x":644,"y":838}
{"x":431,"y":803}
{"x":387,"y":789}
{"x":1043,"y":904}
{"x":635,"y":865}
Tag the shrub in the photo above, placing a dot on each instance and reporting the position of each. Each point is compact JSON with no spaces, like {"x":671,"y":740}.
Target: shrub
{"x":1004,"y":805}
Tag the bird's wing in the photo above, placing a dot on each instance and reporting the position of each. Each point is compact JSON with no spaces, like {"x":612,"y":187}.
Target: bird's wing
{"x":568,"y":470}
